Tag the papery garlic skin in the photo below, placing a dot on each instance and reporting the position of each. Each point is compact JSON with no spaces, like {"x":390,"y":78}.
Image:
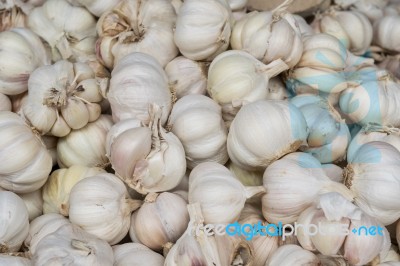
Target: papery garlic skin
{"x":11,"y":16}
{"x":5,"y":103}
{"x":62,"y":97}
{"x":288,"y":255}
{"x":101,"y":206}
{"x":34,"y":203}
{"x":85,"y":146}
{"x":137,"y":81}
{"x":203,"y":28}
{"x":135,"y":254}
{"x":14,"y":219}
{"x":26,"y":163}
{"x":69,"y":30}
{"x":96,"y":7}
{"x":386,"y":32}
{"x":14,"y":261}
{"x":197,"y":121}
{"x":137,"y":26}
{"x":161,"y":219}
{"x":72,"y":245}
{"x":58,"y":187}
{"x":375,"y":169}
{"x":22,"y":52}
{"x":186,"y":76}
{"x":304,"y":27}
{"x":279,"y":121}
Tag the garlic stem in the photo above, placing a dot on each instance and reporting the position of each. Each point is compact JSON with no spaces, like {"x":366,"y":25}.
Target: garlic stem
{"x":281,"y":9}
{"x":253,"y":191}
{"x":275,"y":68}
{"x":63,"y":47}
{"x":133,"y":204}
{"x":78,"y":244}
{"x":151,"y":197}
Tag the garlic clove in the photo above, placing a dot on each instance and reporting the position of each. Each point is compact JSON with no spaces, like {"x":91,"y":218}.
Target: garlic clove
{"x":60,"y":127}
{"x":135,"y":254}
{"x":94,"y":111}
{"x":292,"y":255}
{"x":75,"y":114}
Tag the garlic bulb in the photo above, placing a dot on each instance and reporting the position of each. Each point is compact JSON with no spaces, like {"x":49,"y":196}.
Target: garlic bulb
{"x":85,"y":146}
{"x":137,"y":81}
{"x":247,"y":178}
{"x":392,"y":256}
{"x":186,"y":76}
{"x":221,"y":195}
{"x":279,"y":121}
{"x":137,"y":26}
{"x":293,"y":183}
{"x":51,"y":144}
{"x":392,"y":64}
{"x":14,"y":260}
{"x":96,"y":7}
{"x":373,"y":9}
{"x":154,"y":225}
{"x":352,"y":28}
{"x":135,"y":254}
{"x":69,"y":30}
{"x":196,"y":120}
{"x":334,"y":172}
{"x":62,"y":97}
{"x":72,"y":245}
{"x":385,"y":32}
{"x":203,"y":28}
{"x":34,"y":203}
{"x":58,"y":187}
{"x":14,"y":220}
{"x":21,"y":52}
{"x":288,"y":255}
{"x":376,"y":166}
{"x":26,"y":163}
{"x":329,"y":135}
{"x":101,"y":206}
{"x":5,"y":103}
{"x":147,"y":158}
{"x":269,"y":35}
{"x":236,"y":78}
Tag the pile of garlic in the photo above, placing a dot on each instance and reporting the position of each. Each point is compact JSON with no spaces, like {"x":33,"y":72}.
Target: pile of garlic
{"x":166,"y":132}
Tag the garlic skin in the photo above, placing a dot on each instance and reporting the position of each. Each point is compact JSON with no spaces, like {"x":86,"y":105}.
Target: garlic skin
{"x":57,"y":189}
{"x":197,"y":121}
{"x":147,"y":158}
{"x":62,"y":97}
{"x":96,"y":7}
{"x":5,"y":103}
{"x":236,"y":78}
{"x":25,"y":46}
{"x":69,"y":30}
{"x":221,"y":195}
{"x":199,"y":37}
{"x":34,"y":203}
{"x":14,"y":261}
{"x":137,"y":26}
{"x":72,"y":245}
{"x":161,"y":219}
{"x":385,"y":30}
{"x":376,"y":166}
{"x":186,"y":76}
{"x":301,"y":176}
{"x":304,"y":27}
{"x":26,"y":163}
{"x":268,"y":36}
{"x":85,"y":146}
{"x":101,"y":206}
{"x":135,"y":254}
{"x":137,"y":81}
{"x":288,"y":255}
{"x":14,"y":219}
{"x":284,"y":124}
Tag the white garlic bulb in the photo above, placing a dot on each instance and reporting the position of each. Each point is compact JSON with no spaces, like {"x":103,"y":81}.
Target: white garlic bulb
{"x":236,"y":78}
{"x":137,"y":81}
{"x":34,"y":203}
{"x":101,"y":205}
{"x":269,"y":35}
{"x":329,"y":135}
{"x":203,"y":28}
{"x":137,"y":26}
{"x":248,"y":178}
{"x":373,"y":9}
{"x":96,"y":7}
{"x":62,"y":97}
{"x":26,"y":163}
{"x":10,"y":260}
{"x":85,"y":146}
{"x":386,"y":32}
{"x":161,"y":219}
{"x":14,"y":220}
{"x":288,"y":255}
{"x":293,"y":183}
{"x":147,"y":158}
{"x":58,"y":187}
{"x":69,"y":30}
{"x":352,"y":28}
{"x":196,"y":120}
{"x":72,"y":245}
{"x":279,"y":121}
{"x":5,"y":103}
{"x":221,"y":195}
{"x":135,"y":254}
{"x":186,"y":76}
{"x":21,"y":52}
{"x":376,"y":166}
